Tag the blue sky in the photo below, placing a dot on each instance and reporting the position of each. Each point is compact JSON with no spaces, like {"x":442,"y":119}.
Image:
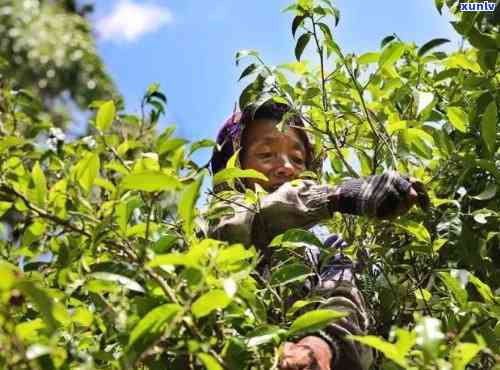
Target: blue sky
{"x":189,"y":46}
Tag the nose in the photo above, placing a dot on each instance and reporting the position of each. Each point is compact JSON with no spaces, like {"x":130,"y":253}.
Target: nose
{"x":285,"y":167}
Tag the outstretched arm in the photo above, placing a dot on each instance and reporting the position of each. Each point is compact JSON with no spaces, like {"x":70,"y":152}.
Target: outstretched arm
{"x":301,"y":204}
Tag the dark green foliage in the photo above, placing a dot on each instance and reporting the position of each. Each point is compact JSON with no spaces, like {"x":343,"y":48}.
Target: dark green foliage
{"x":130,"y":280}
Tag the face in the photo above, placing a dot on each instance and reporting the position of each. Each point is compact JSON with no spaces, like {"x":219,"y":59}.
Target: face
{"x":281,"y":156}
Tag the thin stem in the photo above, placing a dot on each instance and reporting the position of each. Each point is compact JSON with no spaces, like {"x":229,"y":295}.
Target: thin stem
{"x":322,"y":66}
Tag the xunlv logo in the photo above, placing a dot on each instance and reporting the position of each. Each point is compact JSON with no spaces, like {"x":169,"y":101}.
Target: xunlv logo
{"x":485,"y":6}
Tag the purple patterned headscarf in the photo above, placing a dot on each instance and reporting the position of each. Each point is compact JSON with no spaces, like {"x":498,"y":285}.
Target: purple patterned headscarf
{"x":227,"y":141}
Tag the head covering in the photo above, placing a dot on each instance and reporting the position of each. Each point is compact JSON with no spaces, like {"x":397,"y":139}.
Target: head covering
{"x":227,"y":143}
{"x":229,"y":138}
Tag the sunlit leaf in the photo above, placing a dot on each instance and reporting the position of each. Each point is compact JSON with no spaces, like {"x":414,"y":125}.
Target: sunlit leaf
{"x":4,"y":207}
{"x":463,"y":353}
{"x":105,"y":116}
{"x":389,"y":350}
{"x":87,"y":170}
{"x":119,"y":279}
{"x":187,"y":204}
{"x":40,"y":183}
{"x":391,"y":54}
{"x":419,"y":231}
{"x":228,"y":174}
{"x":263,"y":335}
{"x":313,"y":321}
{"x":150,"y":181}
{"x":209,"y":362}
{"x":489,"y":124}
{"x":458,"y":118}
{"x":208,"y":302}
{"x":149,"y":330}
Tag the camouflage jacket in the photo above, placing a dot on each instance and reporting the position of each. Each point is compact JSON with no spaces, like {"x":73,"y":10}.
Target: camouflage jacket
{"x":303,"y":204}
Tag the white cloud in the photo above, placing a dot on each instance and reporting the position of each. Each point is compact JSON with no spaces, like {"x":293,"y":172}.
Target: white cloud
{"x":131,"y":20}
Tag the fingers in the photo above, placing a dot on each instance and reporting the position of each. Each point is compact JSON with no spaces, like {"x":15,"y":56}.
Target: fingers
{"x":423,"y":198}
{"x":296,"y":357}
{"x":413,"y":192}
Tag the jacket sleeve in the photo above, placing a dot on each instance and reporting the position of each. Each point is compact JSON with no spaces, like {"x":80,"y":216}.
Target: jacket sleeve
{"x":297,"y":204}
{"x":343,"y":295}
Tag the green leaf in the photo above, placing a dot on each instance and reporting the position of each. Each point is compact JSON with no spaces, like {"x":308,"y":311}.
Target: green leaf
{"x":289,"y":273}
{"x":437,"y":244}
{"x":87,"y":170}
{"x":123,"y":211}
{"x":8,"y":275}
{"x":296,"y":238}
{"x":434,"y":43}
{"x":83,"y":317}
{"x":149,"y":330}
{"x":40,"y":183}
{"x":4,"y":207}
{"x":251,"y":68}
{"x":313,"y":321}
{"x":327,"y":33}
{"x":483,"y":289}
{"x":263,"y":335}
{"x":28,"y":330}
{"x":105,"y":116}
{"x":463,"y":353}
{"x":119,"y":279}
{"x":391,"y":54}
{"x":489,"y":124}
{"x":417,"y":230}
{"x":250,"y":94}
{"x":201,"y":144}
{"x":488,"y":193}
{"x":42,"y":302}
{"x":389,"y":350}
{"x":9,"y":142}
{"x":368,"y":58}
{"x":386,"y":40}
{"x":170,"y":145}
{"x":209,"y":361}
{"x":187,"y":204}
{"x":150,"y":181}
{"x":458,"y":118}
{"x":231,"y":257}
{"x":176,"y":259}
{"x":419,"y":141}
{"x":299,"y":68}
{"x":208,"y":302}
{"x":297,"y":21}
{"x":243,"y":53}
{"x":480,"y":40}
{"x":301,"y":45}
{"x":229,"y":174}
{"x":439,"y":5}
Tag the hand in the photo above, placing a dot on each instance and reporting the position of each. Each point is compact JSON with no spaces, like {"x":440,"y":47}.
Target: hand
{"x":384,"y":196}
{"x":310,"y":353}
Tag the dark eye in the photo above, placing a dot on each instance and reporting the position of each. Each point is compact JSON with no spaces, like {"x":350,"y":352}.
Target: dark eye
{"x":265,"y":155}
{"x":298,"y":160}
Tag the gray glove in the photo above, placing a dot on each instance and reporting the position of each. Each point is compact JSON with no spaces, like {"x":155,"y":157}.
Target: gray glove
{"x":375,"y":196}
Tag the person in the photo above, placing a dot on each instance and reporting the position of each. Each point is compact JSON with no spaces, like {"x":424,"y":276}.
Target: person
{"x":259,"y":140}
